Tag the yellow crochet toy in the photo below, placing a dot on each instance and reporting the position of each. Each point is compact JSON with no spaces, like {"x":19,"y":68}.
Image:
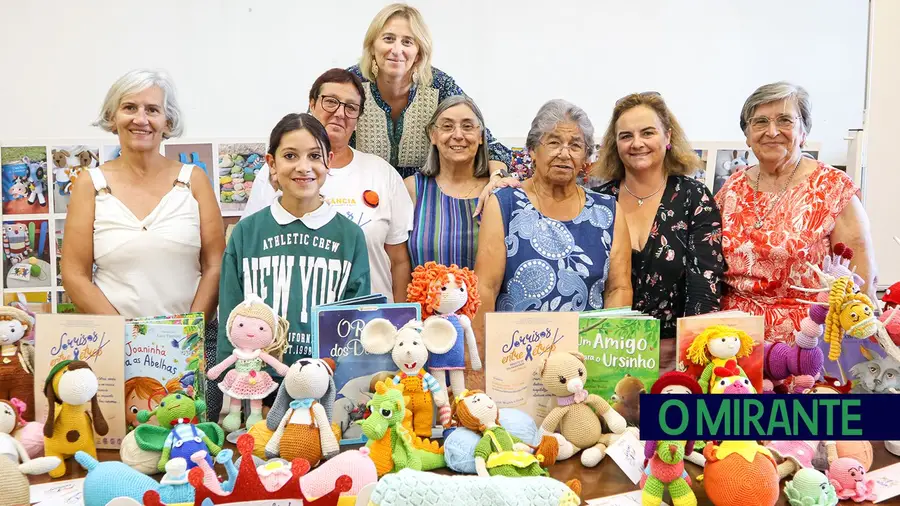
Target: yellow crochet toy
{"x":71,"y":384}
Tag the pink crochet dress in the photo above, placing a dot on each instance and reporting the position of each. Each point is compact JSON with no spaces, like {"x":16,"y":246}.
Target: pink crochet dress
{"x":247,"y":380}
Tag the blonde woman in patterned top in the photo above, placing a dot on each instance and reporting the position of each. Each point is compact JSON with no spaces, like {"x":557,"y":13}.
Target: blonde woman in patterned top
{"x":404,"y":91}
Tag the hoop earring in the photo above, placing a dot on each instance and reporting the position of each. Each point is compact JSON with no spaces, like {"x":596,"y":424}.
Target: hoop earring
{"x":374,"y":68}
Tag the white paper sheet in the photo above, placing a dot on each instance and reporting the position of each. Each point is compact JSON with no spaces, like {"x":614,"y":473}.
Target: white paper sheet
{"x":887,"y":482}
{"x":64,"y":493}
{"x":628,"y":454}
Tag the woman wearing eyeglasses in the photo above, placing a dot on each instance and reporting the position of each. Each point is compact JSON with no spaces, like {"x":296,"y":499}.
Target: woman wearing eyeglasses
{"x":360,"y":186}
{"x":405,"y":90}
{"x":552,"y":245}
{"x":785,"y":213}
{"x":675,"y":226}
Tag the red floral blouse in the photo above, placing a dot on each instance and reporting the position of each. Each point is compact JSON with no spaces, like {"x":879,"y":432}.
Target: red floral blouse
{"x":764,"y":263}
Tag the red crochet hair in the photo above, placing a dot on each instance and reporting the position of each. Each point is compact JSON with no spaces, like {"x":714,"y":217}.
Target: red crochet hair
{"x":427,"y":281}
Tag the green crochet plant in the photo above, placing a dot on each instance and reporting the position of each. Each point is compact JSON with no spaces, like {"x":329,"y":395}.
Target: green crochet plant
{"x":810,"y":488}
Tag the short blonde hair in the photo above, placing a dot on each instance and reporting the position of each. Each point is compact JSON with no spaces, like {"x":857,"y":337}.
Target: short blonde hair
{"x":680,"y":160}
{"x":420,"y":32}
{"x":137,"y":81}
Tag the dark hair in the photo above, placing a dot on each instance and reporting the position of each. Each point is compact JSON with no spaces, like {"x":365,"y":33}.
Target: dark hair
{"x":303,"y":121}
{"x":340,"y":76}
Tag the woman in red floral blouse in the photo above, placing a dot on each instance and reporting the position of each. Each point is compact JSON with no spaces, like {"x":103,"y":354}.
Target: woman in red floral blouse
{"x":785,"y":213}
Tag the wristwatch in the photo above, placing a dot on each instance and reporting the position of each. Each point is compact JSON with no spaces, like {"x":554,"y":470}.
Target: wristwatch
{"x":500,"y":172}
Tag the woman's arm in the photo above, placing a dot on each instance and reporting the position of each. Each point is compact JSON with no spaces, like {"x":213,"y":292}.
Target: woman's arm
{"x":618,"y":282}
{"x":852,"y":228}
{"x":401,"y":269}
{"x":705,"y":264}
{"x":490,"y":266}
{"x":212,"y":245}
{"x":78,"y":244}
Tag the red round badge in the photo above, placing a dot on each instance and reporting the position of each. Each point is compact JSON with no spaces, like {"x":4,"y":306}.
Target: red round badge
{"x":370,"y":198}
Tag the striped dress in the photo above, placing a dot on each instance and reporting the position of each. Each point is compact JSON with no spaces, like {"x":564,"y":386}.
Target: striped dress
{"x":444,"y":230}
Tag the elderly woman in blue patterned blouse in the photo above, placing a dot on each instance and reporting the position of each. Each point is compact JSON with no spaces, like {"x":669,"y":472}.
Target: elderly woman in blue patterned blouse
{"x":552,"y":245}
{"x":405,"y":89}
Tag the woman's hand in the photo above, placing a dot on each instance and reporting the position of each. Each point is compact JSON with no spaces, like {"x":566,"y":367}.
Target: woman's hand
{"x":493,"y":184}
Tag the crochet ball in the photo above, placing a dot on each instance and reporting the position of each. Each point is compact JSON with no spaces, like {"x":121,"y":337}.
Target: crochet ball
{"x":132,"y":455}
{"x":32,"y":438}
{"x":459,"y":446}
{"x":858,"y":450}
{"x":730,"y":481}
{"x":261,"y":436}
{"x":811,"y":328}
{"x":817,"y":314}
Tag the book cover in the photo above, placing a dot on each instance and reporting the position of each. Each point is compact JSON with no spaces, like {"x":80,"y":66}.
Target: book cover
{"x":515,"y":343}
{"x":336,"y":332}
{"x":865,"y":365}
{"x":615,"y":346}
{"x":690,"y":327}
{"x":162,"y":355}
{"x":97,"y":340}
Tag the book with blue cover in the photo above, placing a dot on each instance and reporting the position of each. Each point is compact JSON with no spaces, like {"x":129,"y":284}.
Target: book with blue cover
{"x":336,"y":333}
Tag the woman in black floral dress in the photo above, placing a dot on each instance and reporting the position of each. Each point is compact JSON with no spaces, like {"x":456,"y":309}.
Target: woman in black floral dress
{"x":675,"y":226}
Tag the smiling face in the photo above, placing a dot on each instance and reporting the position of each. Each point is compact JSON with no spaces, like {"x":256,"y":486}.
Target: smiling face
{"x":299,"y":165}
{"x":11,"y":331}
{"x":140,"y":121}
{"x":457,"y":134}
{"x":173,"y":407}
{"x":641,"y":139}
{"x":776,"y":143}
{"x":725,"y":346}
{"x":339,"y":126}
{"x":556,"y":163}
{"x":134,"y":403}
{"x":250,"y":333}
{"x":395,"y":49}
{"x":409,"y":351}
{"x":453,"y":295}
{"x":483,"y":408}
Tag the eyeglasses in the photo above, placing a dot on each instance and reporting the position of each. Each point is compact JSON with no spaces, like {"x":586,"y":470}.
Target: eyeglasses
{"x":556,"y":147}
{"x":466,"y":127}
{"x":331,"y":104}
{"x":782,"y":122}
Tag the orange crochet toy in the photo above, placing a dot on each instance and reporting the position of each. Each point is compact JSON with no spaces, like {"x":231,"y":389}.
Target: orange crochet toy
{"x":735,"y":471}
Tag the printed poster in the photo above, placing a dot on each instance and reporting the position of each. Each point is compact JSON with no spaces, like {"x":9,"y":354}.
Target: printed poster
{"x":336,"y":333}
{"x":97,"y":340}
{"x":514,"y":346}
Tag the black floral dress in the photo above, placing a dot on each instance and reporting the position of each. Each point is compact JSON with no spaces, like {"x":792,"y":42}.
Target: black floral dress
{"x":678,"y":273}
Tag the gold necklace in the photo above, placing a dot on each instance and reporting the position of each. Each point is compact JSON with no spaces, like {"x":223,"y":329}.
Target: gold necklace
{"x":760,"y":219}
{"x":537,"y":194}
{"x":466,"y":195}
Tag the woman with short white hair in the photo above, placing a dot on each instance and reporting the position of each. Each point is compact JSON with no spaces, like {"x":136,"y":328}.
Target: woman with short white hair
{"x":784,"y":214}
{"x":152,"y":226}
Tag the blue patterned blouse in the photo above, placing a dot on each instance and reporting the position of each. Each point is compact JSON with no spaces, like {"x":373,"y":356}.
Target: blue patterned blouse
{"x":404,"y":143}
{"x":555,"y":265}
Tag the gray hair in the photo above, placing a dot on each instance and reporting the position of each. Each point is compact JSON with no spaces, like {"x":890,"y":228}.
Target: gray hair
{"x":555,"y":112}
{"x":137,"y":81}
{"x":782,"y":90}
{"x":432,"y":165}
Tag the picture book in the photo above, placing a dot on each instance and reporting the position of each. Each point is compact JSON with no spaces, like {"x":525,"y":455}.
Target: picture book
{"x":515,"y":343}
{"x":98,"y":341}
{"x":336,"y":334}
{"x":618,"y":345}
{"x":162,"y":355}
{"x":753,"y":328}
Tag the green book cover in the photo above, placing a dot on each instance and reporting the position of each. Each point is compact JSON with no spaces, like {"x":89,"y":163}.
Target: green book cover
{"x":614,"y":346}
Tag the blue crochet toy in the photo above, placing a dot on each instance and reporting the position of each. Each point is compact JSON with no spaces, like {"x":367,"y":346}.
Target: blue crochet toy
{"x":459,"y":445}
{"x":106,"y":481}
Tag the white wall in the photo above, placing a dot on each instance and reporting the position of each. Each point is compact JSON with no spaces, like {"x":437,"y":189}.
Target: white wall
{"x":241,"y":65}
{"x":882,"y":187}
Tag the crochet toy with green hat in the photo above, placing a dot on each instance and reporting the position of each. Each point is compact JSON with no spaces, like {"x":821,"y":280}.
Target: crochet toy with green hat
{"x":180,"y":433}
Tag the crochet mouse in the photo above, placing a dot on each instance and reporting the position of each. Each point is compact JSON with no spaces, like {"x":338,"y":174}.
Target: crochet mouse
{"x":409,"y":347}
{"x":577,"y":416}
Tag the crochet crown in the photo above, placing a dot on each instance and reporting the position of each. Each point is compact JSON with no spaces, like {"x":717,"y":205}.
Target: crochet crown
{"x":248,"y":486}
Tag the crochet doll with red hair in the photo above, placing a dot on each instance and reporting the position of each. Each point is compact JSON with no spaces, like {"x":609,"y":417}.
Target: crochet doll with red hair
{"x":450,"y":293}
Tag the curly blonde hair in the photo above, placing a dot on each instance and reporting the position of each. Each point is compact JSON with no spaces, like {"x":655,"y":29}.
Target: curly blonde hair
{"x":427,"y":281}
{"x":840,"y":295}
{"x":680,"y":160}
{"x":698,"y":353}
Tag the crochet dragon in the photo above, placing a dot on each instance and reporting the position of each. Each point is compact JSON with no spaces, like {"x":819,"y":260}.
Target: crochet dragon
{"x":392,"y":445}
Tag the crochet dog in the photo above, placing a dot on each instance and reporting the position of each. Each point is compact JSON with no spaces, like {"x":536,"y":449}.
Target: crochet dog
{"x":577,"y":417}
{"x":69,"y":386}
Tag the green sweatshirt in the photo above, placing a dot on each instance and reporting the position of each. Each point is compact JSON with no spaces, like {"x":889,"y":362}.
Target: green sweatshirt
{"x":294,"y":265}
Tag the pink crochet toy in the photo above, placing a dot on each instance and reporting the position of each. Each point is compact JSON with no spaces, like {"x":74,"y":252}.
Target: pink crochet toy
{"x":849,"y":479}
{"x":256,"y":331}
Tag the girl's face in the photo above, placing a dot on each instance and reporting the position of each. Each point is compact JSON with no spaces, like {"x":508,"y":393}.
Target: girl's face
{"x":482,"y":407}
{"x":299,"y":165}
{"x":250,"y":333}
{"x":724,"y":346}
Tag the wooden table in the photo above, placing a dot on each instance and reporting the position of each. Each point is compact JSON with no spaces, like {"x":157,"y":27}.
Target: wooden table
{"x":604,"y":480}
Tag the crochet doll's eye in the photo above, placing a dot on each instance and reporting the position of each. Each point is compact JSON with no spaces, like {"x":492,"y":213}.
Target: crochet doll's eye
{"x":241,"y":325}
{"x":562,"y":379}
{"x":415,"y":343}
{"x":723,"y":339}
{"x":461,"y":289}
{"x":162,"y":405}
{"x":261,"y":328}
{"x":178,"y":396}
{"x":722,"y":382}
{"x":580,"y":372}
{"x":443,"y":288}
{"x":386,"y":413}
{"x":853,"y":473}
{"x":822,"y":485}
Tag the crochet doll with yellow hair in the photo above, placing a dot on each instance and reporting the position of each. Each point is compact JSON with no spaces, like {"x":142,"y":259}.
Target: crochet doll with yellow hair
{"x":715,"y":347}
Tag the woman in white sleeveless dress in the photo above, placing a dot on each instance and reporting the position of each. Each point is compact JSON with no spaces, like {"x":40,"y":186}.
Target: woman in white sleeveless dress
{"x":152,"y":226}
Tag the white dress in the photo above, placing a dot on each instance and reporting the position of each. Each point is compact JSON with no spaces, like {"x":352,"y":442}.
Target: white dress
{"x":148,"y":267}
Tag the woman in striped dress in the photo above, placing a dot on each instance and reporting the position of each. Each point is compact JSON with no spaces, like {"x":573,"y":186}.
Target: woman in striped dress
{"x":447,"y":188}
